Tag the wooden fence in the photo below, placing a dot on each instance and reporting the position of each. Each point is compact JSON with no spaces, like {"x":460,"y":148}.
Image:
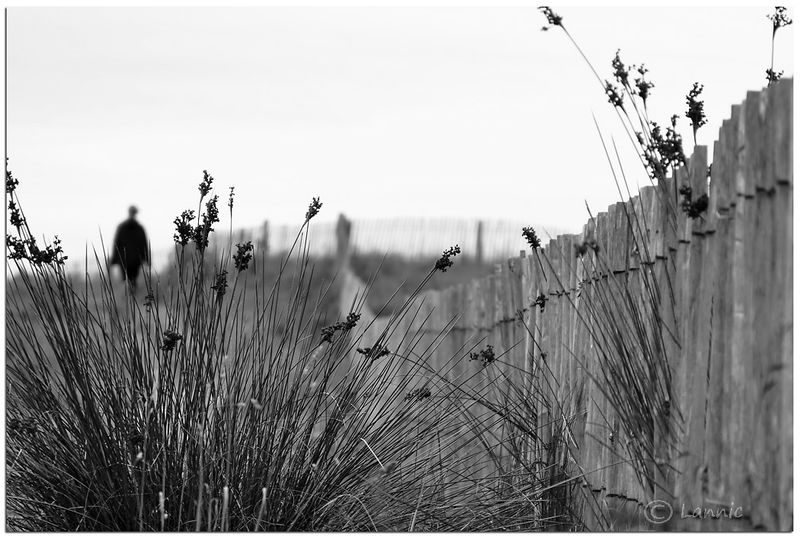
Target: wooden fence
{"x":709,"y":298}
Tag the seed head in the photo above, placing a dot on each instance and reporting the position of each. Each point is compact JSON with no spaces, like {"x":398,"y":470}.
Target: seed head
{"x":779,"y":18}
{"x":418,"y":394}
{"x":695,"y":111}
{"x":243,"y":256}
{"x":184,"y":231}
{"x":205,"y":185}
{"x":375,"y":352}
{"x":11,"y":181}
{"x":642,"y":85}
{"x":773,"y":76}
{"x":486,"y":356}
{"x":530,"y":236}
{"x":540,"y":301}
{"x":313,"y":208}
{"x":620,"y":71}
{"x":205,"y":228}
{"x":693,"y":208}
{"x":27,"y":249}
{"x":350,"y":322}
{"x":663,"y":152}
{"x":444,"y":262}
{"x":14,"y":215}
{"x":220,"y":284}
{"x":553,"y":19}
{"x":17,"y":248}
{"x":330,"y":331}
{"x":614,"y":95}
{"x":171,"y":338}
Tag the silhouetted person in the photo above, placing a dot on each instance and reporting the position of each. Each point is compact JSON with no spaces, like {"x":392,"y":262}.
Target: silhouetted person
{"x":130,"y":248}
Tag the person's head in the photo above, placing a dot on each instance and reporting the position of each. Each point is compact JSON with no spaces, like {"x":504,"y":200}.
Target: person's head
{"x":132,"y":211}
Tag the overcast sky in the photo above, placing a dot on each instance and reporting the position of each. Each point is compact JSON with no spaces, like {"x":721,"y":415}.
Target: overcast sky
{"x":447,"y":111}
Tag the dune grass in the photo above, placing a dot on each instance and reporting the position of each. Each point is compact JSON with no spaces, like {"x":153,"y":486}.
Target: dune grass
{"x":218,"y":399}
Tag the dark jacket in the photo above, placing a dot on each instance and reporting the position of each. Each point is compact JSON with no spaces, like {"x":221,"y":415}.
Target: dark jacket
{"x":130,"y":245}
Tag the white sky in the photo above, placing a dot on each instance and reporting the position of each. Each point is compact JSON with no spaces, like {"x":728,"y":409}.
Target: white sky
{"x":380,"y":111}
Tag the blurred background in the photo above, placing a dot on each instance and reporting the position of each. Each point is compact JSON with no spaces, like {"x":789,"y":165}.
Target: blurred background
{"x":425,"y":127}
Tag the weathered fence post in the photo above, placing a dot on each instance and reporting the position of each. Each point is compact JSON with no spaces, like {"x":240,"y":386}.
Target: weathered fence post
{"x":263,"y":238}
{"x":343,"y":245}
{"x":479,"y":243}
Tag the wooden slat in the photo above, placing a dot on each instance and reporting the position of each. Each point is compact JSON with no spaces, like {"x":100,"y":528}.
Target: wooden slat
{"x":593,"y":430}
{"x":717,"y":453}
{"x":740,"y":425}
{"x":590,"y":449}
{"x":781,"y":114}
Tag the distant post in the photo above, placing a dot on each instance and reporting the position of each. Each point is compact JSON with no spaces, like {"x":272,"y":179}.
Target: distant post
{"x":263,"y":239}
{"x":343,"y":228}
{"x":479,"y":243}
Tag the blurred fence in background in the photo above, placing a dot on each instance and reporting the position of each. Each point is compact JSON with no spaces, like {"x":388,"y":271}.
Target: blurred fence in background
{"x":408,"y":237}
{"x":411,"y":238}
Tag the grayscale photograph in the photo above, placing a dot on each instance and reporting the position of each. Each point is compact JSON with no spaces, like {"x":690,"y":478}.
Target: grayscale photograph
{"x":383,"y":266}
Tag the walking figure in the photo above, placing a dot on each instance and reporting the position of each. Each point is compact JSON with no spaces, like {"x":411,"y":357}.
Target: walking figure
{"x":130,"y":248}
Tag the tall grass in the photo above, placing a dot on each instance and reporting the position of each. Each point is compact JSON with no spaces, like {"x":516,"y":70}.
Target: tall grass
{"x":629,"y":313}
{"x":214,"y":400}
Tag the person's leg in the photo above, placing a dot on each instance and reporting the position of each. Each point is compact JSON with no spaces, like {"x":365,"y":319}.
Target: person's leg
{"x":133,"y":275}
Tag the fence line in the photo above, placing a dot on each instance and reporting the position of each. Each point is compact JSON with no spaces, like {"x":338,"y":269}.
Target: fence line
{"x":715,"y":296}
{"x":410,"y":237}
